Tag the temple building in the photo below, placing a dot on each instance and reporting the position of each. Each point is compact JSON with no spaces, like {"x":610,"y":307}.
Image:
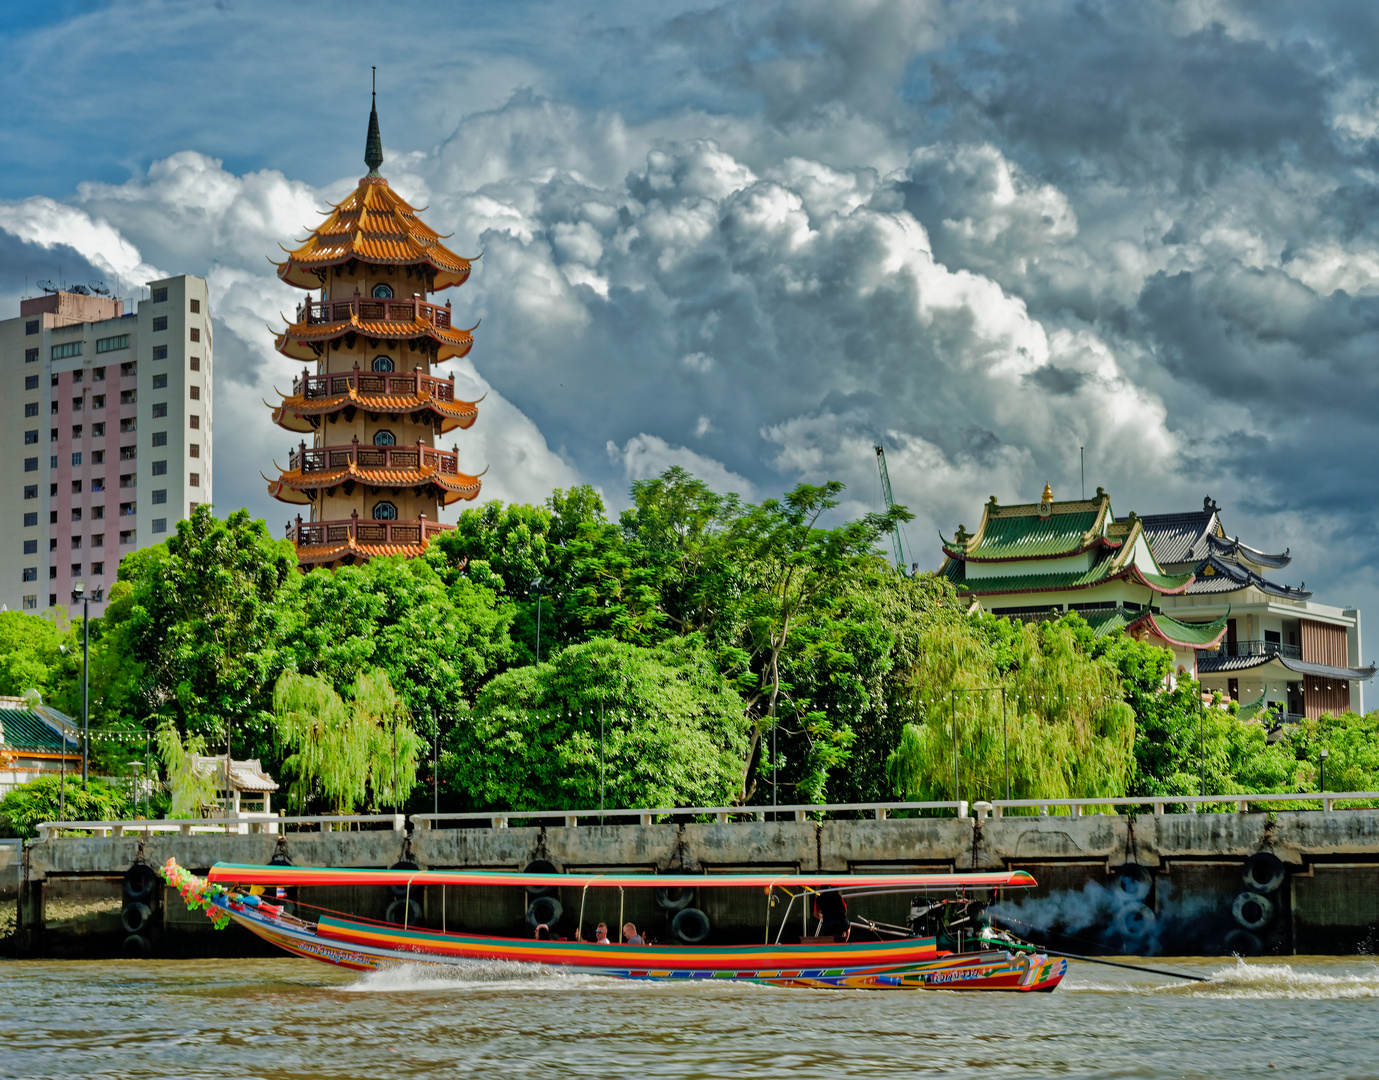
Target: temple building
{"x":1039,"y":560}
{"x":1282,"y":650}
{"x":371,"y":477}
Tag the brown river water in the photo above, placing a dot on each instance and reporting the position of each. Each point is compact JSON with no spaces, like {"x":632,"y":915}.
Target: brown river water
{"x":287,"y":1019}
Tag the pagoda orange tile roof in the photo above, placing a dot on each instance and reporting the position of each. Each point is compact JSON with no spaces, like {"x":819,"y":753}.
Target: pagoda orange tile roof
{"x":453,"y":414}
{"x":306,"y":341}
{"x":329,"y":553}
{"x":374,"y":225}
{"x":292,"y":486}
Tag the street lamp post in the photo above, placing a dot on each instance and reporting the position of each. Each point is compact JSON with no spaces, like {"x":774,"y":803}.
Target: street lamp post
{"x":537,"y":588}
{"x":79,"y":595}
{"x":1322,"y":755}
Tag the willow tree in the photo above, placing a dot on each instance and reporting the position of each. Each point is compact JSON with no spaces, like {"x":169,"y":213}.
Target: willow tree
{"x":1062,"y":718}
{"x":347,"y":753}
{"x":190,"y":789}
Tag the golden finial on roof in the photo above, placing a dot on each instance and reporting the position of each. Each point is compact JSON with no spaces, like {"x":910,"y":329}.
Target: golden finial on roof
{"x":1047,"y":497}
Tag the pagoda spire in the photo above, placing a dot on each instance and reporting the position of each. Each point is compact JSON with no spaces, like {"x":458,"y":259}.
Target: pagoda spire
{"x":373,"y":145}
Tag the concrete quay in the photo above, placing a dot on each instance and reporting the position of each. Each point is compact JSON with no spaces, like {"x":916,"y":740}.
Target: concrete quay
{"x":1328,"y":901}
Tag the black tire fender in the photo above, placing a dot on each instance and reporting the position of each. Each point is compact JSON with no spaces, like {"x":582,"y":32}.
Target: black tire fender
{"x":1242,"y":943}
{"x":690,"y":925}
{"x":400,"y":891}
{"x":544,"y":909}
{"x":540,"y":866}
{"x":136,"y":918}
{"x":1263,"y":872}
{"x":1252,"y":911}
{"x":1134,"y":881}
{"x":402,"y":909}
{"x":675,"y":897}
{"x":136,"y":947}
{"x":140,"y":883}
{"x":1134,"y":921}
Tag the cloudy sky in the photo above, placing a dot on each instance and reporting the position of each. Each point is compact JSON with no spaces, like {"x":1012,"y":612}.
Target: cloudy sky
{"x":755,"y":238}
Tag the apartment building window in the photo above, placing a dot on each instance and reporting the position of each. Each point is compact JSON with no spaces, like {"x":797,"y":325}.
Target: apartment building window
{"x":66,"y":349}
{"x":128,"y":397}
{"x":194,"y":450}
{"x":160,"y":323}
{"x":76,"y":458}
{"x":160,"y":382}
{"x":127,"y":536}
{"x":98,"y":512}
{"x":129,"y":480}
{"x":98,"y":456}
{"x":131,"y":424}
{"x":52,"y":408}
{"x":31,"y":518}
{"x":77,"y":377}
{"x":98,"y":539}
{"x":98,"y":374}
{"x":129,"y":367}
{"x":30,"y":573}
{"x":160,"y":352}
{"x":160,"y":525}
{"x":31,"y":408}
{"x":194,"y":422}
{"x":160,"y":410}
{"x":52,"y":542}
{"x":196,"y":393}
{"x":98,"y":430}
{"x":111,"y":344}
{"x":196,"y":334}
{"x":76,"y":513}
{"x":52,"y":462}
{"x":76,"y":431}
{"x":76,"y":569}
{"x":52,"y":519}
{"x":76,"y":543}
{"x":52,"y":599}
{"x":160,"y":496}
{"x":30,"y":356}
{"x":194,"y":480}
{"x":98,"y":568}
{"x":160,"y":468}
{"x":76,"y":487}
{"x":52,"y":437}
{"x":98,"y":401}
{"x":76,"y":404}
{"x":191,"y":508}
{"x":52,"y":573}
{"x":194,"y":363}
{"x":98,"y":484}
{"x":195,"y":306}
{"x":31,"y":603}
{"x":160,"y":438}
{"x":160,"y":294}
{"x":52,"y":491}
{"x":32,"y":326}
{"x":127,"y":509}
{"x":30,"y":547}
{"x":30,"y":382}
{"x":31,"y":464}
{"x":31,"y":437}
{"x":128,"y":453}
{"x":30,"y":491}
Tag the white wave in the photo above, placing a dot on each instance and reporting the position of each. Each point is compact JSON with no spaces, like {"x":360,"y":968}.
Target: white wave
{"x":486,"y":974}
{"x":1285,"y":981}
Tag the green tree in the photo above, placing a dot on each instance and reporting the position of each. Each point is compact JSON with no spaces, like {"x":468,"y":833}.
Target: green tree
{"x":190,"y":789}
{"x":25,"y":807}
{"x":364,"y":751}
{"x":674,"y":731}
{"x":36,"y":655}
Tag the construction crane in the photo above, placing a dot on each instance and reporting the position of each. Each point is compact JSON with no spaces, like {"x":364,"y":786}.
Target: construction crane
{"x":890,"y":502}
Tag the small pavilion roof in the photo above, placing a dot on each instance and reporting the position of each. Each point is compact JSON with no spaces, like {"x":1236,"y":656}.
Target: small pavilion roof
{"x":373,"y":225}
{"x":1023,"y":532}
{"x":247,"y":775}
{"x":1224,"y":665}
{"x":27,"y":725}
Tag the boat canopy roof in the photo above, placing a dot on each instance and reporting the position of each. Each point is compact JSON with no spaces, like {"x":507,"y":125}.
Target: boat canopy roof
{"x":250,"y":874}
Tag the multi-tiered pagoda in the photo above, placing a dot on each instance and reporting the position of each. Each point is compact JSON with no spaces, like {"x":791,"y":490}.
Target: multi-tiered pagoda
{"x":371,"y":472}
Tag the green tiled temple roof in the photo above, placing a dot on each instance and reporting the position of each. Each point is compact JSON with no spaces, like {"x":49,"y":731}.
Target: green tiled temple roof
{"x":1102,"y":571}
{"x":25,"y":729}
{"x":1029,"y":536}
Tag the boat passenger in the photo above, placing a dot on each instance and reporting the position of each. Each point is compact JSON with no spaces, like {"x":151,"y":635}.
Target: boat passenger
{"x":832,"y":912}
{"x":630,"y":935}
{"x":543,"y":932}
{"x":601,"y":934}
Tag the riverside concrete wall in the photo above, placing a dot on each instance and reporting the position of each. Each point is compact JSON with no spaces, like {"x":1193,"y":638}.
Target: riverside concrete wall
{"x":1329,"y":902}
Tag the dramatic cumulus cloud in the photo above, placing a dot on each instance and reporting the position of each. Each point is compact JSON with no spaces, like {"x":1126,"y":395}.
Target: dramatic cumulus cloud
{"x":758,"y":239}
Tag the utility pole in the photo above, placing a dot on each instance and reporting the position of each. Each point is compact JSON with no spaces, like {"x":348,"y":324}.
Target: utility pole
{"x":79,"y":595}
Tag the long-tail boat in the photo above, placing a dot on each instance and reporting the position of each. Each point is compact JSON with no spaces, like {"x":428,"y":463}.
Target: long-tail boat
{"x":982,"y":959}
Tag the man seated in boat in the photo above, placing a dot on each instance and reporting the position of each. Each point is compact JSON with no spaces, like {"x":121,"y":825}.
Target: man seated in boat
{"x":601,"y":934}
{"x":630,"y":935}
{"x":832,"y":912}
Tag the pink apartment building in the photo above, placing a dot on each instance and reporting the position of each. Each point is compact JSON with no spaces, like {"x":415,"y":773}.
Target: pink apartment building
{"x":108,"y":440}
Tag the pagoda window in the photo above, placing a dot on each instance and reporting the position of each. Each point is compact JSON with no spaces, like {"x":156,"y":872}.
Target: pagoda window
{"x":384,"y":511}
{"x":384,"y":438}
{"x":382,"y":292}
{"x":383,"y":363}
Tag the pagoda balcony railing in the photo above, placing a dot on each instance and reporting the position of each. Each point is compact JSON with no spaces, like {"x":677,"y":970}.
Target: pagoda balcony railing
{"x":412,"y":458}
{"x":363,"y":530}
{"x":1250,"y":648}
{"x":373,"y":383}
{"x":369,"y":309}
